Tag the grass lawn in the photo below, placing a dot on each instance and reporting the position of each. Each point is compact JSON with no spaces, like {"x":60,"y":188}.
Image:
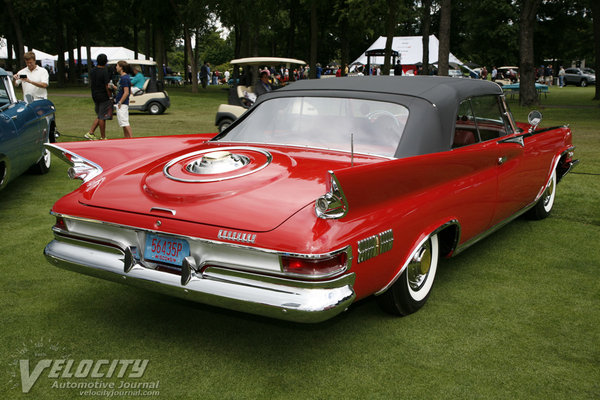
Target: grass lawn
{"x":516,"y":316}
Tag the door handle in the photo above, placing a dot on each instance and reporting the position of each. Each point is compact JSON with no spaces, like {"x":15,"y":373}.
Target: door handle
{"x":501,"y":160}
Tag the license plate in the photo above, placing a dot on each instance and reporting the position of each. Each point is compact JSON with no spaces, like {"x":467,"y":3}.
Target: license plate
{"x":166,"y":249}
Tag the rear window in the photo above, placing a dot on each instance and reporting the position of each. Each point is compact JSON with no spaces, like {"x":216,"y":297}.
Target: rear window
{"x":374,"y":127}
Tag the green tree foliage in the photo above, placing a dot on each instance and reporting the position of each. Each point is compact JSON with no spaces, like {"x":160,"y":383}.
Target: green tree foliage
{"x":485,"y":32}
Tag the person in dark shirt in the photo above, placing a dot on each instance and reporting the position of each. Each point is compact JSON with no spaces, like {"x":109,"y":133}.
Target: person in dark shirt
{"x":122,"y":97}
{"x":101,"y":94}
{"x":398,"y":69}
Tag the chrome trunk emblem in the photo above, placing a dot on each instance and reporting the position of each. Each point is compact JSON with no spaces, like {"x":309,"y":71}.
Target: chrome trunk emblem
{"x":236,"y":236}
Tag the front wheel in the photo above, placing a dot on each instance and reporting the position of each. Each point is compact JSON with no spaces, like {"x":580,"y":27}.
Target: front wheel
{"x":583,"y":83}
{"x":410,"y":292}
{"x":544,"y":204}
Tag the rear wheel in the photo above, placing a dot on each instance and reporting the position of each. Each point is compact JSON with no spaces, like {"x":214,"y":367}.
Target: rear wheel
{"x":544,"y":205}
{"x":155,"y":108}
{"x":410,"y":292}
{"x":224,"y":124}
{"x":43,"y":165}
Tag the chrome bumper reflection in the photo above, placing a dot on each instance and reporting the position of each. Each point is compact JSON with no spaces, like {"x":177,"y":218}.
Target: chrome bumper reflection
{"x":298,"y":301}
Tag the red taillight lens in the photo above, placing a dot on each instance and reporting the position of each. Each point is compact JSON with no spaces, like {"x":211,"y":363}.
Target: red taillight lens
{"x":60,"y":224}
{"x":315,"y":268}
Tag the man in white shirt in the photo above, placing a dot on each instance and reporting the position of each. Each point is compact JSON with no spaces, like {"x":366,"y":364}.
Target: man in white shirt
{"x":34,"y":79}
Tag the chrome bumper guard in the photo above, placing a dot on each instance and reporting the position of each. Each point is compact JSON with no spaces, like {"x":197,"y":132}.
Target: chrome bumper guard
{"x":298,"y":301}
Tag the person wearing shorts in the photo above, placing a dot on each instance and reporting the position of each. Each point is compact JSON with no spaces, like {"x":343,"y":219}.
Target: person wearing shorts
{"x":122,"y":98}
{"x":101,"y":94}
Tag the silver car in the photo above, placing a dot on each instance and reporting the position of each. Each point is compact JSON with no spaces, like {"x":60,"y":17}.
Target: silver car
{"x":577,"y":76}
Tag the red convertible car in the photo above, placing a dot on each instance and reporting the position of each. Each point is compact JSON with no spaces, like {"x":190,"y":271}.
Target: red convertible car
{"x":325,"y":192}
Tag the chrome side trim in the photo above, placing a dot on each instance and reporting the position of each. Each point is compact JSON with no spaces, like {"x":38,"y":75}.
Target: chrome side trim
{"x":483,"y":235}
{"x":375,"y":245}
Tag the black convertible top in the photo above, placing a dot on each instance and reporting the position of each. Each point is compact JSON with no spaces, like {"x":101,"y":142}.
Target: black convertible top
{"x":432,"y":102}
{"x":435,"y":89}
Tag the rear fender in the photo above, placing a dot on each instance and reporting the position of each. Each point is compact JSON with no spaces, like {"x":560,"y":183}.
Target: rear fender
{"x":449,"y":232}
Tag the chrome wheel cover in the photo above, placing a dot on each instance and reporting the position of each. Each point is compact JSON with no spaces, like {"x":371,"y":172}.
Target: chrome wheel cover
{"x":419,"y":266}
{"x":549,"y":194}
{"x":421,"y":270}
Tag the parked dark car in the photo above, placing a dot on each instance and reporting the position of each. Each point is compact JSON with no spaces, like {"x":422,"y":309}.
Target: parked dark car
{"x":579,"y":77}
{"x":24,"y":128}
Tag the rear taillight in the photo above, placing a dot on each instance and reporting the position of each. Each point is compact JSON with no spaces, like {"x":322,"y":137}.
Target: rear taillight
{"x":316,"y":268}
{"x":61,"y":224}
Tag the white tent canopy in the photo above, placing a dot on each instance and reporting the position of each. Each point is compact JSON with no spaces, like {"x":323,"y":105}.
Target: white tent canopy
{"x":410,"y":50}
{"x":39,"y":55}
{"x":113,"y":53}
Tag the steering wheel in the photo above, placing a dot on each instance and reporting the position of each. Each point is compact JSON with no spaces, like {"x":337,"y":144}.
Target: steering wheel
{"x":383,"y":118}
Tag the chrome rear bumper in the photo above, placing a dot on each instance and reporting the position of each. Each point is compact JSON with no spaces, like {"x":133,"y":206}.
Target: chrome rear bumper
{"x":293,"y":300}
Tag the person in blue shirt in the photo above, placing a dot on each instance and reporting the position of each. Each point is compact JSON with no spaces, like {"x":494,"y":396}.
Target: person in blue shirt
{"x":122,"y":98}
{"x":138,"y":80}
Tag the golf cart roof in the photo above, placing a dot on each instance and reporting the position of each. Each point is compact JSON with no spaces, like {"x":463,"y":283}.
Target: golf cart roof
{"x":134,"y":62}
{"x":266,"y":61}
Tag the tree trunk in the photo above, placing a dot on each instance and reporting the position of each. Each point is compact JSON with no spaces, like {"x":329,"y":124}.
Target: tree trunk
{"x":291,"y":37}
{"x":20,"y":46}
{"x":88,"y":50}
{"x":190,"y":56}
{"x":596,"y":16}
{"x":425,"y":29}
{"x":444,"y":49}
{"x":136,"y":46}
{"x":72,"y":73}
{"x":148,"y":40}
{"x":527,"y":94}
{"x":345,"y":44}
{"x":79,"y":67}
{"x":158,"y":46}
{"x":390,"y":25}
{"x":60,"y":44}
{"x":314,"y":39}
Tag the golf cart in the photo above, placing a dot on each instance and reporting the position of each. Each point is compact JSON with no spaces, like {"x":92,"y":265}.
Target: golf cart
{"x":152,"y":98}
{"x":241,"y":94}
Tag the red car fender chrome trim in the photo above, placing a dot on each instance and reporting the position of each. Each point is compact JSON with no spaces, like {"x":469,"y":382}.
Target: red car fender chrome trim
{"x":419,"y":242}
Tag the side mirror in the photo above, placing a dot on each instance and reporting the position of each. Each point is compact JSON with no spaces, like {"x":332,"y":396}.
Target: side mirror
{"x":534,"y":118}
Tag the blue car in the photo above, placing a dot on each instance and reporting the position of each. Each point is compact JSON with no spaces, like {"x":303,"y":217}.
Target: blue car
{"x":24,"y":128}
